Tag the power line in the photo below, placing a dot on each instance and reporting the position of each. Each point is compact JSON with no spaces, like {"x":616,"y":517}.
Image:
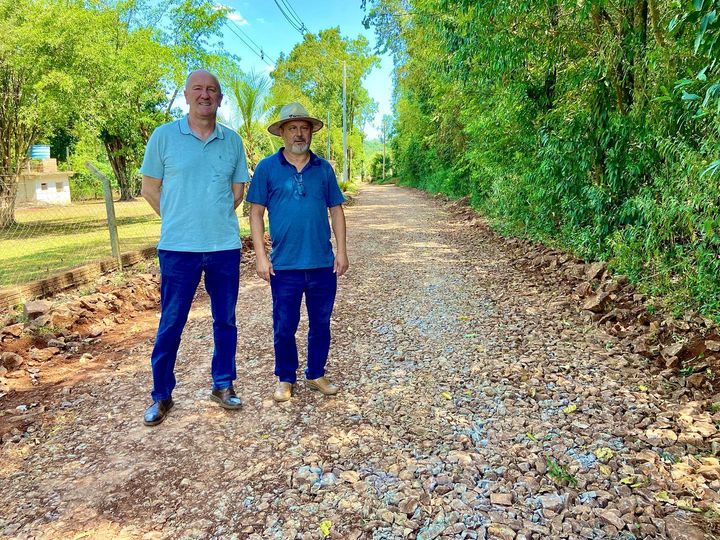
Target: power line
{"x":295,"y":15}
{"x":288,"y":18}
{"x":291,"y":16}
{"x":256,"y":52}
{"x":247,"y":36}
{"x":254,"y":47}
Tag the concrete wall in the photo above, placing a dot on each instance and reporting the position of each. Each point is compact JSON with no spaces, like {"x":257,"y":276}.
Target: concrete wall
{"x":44,"y":188}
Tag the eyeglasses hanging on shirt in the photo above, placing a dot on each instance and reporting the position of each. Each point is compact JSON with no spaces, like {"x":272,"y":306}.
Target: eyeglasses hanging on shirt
{"x":299,"y":185}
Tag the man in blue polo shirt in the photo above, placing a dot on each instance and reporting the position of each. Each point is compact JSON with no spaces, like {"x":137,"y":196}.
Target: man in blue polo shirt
{"x":297,"y":188}
{"x":194,"y":176}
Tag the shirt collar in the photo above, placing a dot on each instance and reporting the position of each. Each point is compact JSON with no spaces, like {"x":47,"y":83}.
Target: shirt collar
{"x":218,"y":133}
{"x":314,"y":160}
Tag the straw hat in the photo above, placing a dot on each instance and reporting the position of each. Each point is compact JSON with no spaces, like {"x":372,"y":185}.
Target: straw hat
{"x":290,"y":112}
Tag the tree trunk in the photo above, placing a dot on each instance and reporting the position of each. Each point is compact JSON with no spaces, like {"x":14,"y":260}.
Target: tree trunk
{"x":16,"y":136}
{"x":639,"y":65}
{"x":168,"y":109}
{"x":8,"y":191}
{"x":118,"y":161}
{"x":551,"y":73}
{"x":655,"y":19}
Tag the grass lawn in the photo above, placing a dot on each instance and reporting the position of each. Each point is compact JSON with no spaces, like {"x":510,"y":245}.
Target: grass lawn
{"x":50,"y":239}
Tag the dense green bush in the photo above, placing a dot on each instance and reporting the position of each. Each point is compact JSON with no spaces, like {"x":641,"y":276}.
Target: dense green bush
{"x":586,"y":126}
{"x":84,"y":186}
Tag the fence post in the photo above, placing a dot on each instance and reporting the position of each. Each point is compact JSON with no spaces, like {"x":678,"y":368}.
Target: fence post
{"x":110,"y":210}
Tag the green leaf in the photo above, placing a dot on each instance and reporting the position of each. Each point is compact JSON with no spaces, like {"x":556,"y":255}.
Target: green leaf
{"x":675,"y":23}
{"x":558,"y":473}
{"x":683,"y":83}
{"x":711,"y":92}
{"x":711,"y":169}
{"x":709,"y":18}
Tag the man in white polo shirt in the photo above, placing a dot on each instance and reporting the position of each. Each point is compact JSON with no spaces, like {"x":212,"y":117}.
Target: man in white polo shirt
{"x":194,"y":176}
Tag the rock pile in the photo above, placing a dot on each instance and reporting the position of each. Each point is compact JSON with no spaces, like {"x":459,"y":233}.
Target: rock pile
{"x":688,"y":345}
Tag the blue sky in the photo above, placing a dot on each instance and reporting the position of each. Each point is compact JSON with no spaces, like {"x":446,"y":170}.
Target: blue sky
{"x":266,"y":26}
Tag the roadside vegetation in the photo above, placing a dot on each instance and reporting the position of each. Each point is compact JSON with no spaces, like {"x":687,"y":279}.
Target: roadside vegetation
{"x":588,"y":126}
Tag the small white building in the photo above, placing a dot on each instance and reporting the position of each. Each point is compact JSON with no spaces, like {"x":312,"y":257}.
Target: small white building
{"x":43,"y":183}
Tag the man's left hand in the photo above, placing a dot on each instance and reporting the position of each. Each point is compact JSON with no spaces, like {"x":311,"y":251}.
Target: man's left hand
{"x":341,"y":264}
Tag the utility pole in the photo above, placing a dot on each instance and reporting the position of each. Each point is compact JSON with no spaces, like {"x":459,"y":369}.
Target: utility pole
{"x":345,"y":152}
{"x":328,"y":137}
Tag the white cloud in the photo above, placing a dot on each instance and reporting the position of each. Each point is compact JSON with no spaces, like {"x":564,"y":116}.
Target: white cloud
{"x":268,"y":69}
{"x":233,"y":15}
{"x":237,"y":18}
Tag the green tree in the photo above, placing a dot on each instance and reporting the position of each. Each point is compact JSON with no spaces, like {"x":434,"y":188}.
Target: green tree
{"x":100,"y":67}
{"x":313,"y":74}
{"x":133,"y":67}
{"x":40,"y":84}
{"x":192,"y":29}
{"x":145,"y":58}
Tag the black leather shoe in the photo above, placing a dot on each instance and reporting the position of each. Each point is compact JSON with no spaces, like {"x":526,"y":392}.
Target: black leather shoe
{"x":157,"y":412}
{"x":226,"y":398}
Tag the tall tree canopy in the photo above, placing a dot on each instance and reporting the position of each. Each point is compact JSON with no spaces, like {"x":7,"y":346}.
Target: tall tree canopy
{"x":144,"y":59}
{"x":41,"y":84}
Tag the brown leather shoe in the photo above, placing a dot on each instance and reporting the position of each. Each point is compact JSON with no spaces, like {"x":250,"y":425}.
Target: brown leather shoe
{"x":283,"y":392}
{"x":323,"y":385}
{"x":226,"y":398}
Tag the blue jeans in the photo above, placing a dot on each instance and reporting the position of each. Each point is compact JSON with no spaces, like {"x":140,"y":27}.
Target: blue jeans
{"x":180,"y":275}
{"x":288,"y":287}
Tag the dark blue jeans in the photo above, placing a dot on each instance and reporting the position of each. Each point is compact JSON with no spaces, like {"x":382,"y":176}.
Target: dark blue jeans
{"x":180,"y":275}
{"x":288,"y":287}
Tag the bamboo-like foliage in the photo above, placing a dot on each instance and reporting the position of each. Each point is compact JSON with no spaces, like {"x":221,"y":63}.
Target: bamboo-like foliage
{"x":590,"y":124}
{"x":248,"y":93}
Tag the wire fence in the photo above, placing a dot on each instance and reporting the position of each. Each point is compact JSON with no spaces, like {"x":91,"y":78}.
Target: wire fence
{"x":43,"y":231}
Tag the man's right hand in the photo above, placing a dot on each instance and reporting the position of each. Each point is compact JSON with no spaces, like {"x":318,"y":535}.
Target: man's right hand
{"x":264,"y":268}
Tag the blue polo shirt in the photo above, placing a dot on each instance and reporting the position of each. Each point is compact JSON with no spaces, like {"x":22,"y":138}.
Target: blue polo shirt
{"x":196,"y":201}
{"x":297,"y":205}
